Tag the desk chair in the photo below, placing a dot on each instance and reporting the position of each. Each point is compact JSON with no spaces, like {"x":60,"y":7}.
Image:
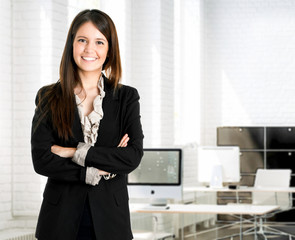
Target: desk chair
{"x":153,"y":235}
{"x":272,"y":178}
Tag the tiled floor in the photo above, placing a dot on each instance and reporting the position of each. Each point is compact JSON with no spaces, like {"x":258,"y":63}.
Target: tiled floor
{"x":217,"y":232}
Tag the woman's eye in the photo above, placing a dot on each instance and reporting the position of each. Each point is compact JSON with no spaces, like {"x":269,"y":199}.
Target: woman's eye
{"x":100,"y":42}
{"x":81,"y":40}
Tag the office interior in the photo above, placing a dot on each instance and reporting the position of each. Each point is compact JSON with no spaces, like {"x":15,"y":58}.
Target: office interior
{"x":209,"y":73}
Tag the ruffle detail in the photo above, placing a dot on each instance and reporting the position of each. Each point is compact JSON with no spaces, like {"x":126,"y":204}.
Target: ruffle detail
{"x":90,"y":123}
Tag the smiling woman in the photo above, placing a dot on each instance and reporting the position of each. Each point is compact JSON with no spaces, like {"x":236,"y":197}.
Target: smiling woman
{"x":90,"y":49}
{"x":86,"y":136}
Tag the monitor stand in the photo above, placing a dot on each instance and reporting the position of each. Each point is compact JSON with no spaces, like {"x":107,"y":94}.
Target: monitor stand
{"x":216,"y":177}
{"x":158,"y":202}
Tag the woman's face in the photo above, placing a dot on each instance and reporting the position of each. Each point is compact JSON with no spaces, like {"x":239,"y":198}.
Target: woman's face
{"x":90,"y":49}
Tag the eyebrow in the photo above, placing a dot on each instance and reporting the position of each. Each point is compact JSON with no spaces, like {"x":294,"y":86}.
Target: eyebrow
{"x":95,"y":38}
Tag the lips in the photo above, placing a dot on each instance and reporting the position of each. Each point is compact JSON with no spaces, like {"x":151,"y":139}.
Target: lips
{"x":89,"y":58}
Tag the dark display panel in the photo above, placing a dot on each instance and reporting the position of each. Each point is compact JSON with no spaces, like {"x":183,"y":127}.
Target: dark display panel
{"x":281,"y":160}
{"x":244,"y":137}
{"x":280,"y":138}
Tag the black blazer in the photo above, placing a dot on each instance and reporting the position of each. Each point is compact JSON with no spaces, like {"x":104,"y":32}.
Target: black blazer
{"x":66,"y":191}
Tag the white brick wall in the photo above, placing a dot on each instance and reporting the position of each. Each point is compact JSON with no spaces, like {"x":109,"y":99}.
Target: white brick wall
{"x":188,"y":88}
{"x":167,"y":79}
{"x":151,"y":66}
{"x":146,"y":65}
{"x":31,"y":68}
{"x":6,"y":114}
{"x":249,"y":64}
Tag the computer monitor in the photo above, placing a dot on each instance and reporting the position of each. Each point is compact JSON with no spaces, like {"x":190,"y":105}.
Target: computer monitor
{"x":218,"y":165}
{"x":158,"y":177}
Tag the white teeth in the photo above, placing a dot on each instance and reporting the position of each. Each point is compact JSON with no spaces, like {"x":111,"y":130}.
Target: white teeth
{"x":89,"y":58}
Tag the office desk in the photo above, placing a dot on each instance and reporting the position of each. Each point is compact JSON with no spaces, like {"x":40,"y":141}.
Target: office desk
{"x":236,"y":209}
{"x":240,"y":189}
{"x":275,"y":190}
{"x":262,"y":190}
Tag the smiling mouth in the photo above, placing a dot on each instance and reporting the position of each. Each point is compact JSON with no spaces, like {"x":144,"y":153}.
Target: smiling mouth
{"x":89,"y":58}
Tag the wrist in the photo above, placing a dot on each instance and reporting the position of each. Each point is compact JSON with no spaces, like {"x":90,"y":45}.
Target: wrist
{"x":71,"y":152}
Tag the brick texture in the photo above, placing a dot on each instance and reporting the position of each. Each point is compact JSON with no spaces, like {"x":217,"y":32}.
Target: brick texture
{"x":248,"y":64}
{"x":6,"y":114}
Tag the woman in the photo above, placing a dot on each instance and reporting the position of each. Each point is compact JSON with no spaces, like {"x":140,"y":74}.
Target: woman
{"x":86,"y":137}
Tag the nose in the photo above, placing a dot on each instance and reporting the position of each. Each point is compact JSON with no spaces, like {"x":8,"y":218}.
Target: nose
{"x":89,"y":47}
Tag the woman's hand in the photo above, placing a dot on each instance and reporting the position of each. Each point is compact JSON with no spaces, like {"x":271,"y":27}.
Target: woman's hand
{"x":124,"y":141}
{"x":101,"y":172}
{"x":65,"y":152}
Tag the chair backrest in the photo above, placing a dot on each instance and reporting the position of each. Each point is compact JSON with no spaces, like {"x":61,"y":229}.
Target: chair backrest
{"x":272,"y":178}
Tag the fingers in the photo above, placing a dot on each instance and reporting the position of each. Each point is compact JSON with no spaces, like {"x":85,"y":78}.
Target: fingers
{"x":101,"y":172}
{"x":124,"y":141}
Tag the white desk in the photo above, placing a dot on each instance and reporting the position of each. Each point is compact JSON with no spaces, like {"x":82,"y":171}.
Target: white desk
{"x":235,"y":209}
{"x":240,"y":189}
{"x":239,"y":209}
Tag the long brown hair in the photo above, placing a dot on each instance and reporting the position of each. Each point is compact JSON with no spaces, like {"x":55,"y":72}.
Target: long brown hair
{"x":59,"y":98}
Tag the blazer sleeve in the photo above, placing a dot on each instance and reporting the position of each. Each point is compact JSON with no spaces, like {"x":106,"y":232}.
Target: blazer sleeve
{"x":44,"y":161}
{"x":122,"y":160}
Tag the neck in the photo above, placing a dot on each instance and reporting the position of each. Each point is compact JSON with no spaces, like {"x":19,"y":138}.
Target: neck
{"x":89,"y":80}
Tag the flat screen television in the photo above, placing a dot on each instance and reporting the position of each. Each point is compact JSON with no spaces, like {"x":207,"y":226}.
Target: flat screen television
{"x":158,"y":177}
{"x":218,"y":165}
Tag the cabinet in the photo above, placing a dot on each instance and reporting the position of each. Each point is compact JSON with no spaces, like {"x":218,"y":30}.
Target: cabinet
{"x":260,"y":147}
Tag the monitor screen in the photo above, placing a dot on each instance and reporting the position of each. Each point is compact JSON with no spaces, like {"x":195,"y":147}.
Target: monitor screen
{"x":215,"y":162}
{"x":158,"y":176}
{"x":158,"y":167}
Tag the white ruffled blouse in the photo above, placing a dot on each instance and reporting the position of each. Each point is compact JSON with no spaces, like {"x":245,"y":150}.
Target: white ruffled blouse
{"x":90,"y":127}
{"x":90,"y":123}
